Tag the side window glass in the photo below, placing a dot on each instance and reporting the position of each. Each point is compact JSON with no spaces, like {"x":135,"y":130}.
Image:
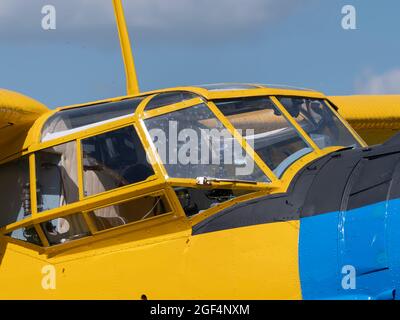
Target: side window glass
{"x":193,"y":143}
{"x":62,"y":230}
{"x":27,"y":234}
{"x":131,"y":211}
{"x":274,"y":139}
{"x":319,"y":122}
{"x":112,"y":160}
{"x":56,"y":175}
{"x":14,"y":192}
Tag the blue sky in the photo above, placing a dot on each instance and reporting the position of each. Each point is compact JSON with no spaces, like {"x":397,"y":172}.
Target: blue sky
{"x":183,"y":42}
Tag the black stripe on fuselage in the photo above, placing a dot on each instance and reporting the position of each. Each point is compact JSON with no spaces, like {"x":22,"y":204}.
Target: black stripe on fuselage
{"x":343,"y":180}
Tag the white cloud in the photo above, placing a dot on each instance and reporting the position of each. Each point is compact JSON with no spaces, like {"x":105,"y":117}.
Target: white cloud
{"x":385,"y":83}
{"x":20,"y":19}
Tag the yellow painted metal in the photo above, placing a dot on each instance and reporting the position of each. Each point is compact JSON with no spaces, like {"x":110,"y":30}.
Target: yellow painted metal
{"x":79,"y":160}
{"x":139,"y":113}
{"x":89,"y":222}
{"x":17,"y":115}
{"x":375,"y":118}
{"x":132,"y":85}
{"x":145,"y":230}
{"x":237,"y":255}
{"x":32,"y":182}
{"x":164,"y":262}
{"x":42,"y":236}
{"x":5,"y":242}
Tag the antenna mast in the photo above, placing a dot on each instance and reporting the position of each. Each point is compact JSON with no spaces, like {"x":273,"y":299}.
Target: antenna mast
{"x":132,"y":85}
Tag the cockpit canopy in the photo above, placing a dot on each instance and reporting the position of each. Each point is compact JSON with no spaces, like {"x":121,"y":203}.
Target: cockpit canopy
{"x":209,"y":144}
{"x":279,"y":130}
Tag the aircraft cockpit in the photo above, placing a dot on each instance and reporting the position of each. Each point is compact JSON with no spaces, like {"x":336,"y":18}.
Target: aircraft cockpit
{"x":133,"y":163}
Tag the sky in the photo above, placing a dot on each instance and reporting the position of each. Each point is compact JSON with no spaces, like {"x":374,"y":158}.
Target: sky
{"x":188,"y":42}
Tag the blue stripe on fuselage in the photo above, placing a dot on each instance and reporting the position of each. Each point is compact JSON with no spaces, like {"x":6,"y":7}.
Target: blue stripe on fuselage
{"x":366,"y":238}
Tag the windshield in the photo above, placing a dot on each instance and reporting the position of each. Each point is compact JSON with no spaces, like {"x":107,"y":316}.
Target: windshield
{"x":319,"y":122}
{"x":193,"y":143}
{"x":274,"y":139}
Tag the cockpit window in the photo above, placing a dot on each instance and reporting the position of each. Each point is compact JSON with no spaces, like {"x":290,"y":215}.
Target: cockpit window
{"x":27,"y":234}
{"x":112,"y":160}
{"x":66,"y":229}
{"x":71,"y":120}
{"x":57,"y":176}
{"x":274,"y":139}
{"x":319,"y":122}
{"x":192,"y":143}
{"x":168,"y":98}
{"x":15,"y":196}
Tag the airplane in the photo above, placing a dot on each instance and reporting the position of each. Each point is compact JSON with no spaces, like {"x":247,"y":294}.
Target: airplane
{"x":305,"y":206}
